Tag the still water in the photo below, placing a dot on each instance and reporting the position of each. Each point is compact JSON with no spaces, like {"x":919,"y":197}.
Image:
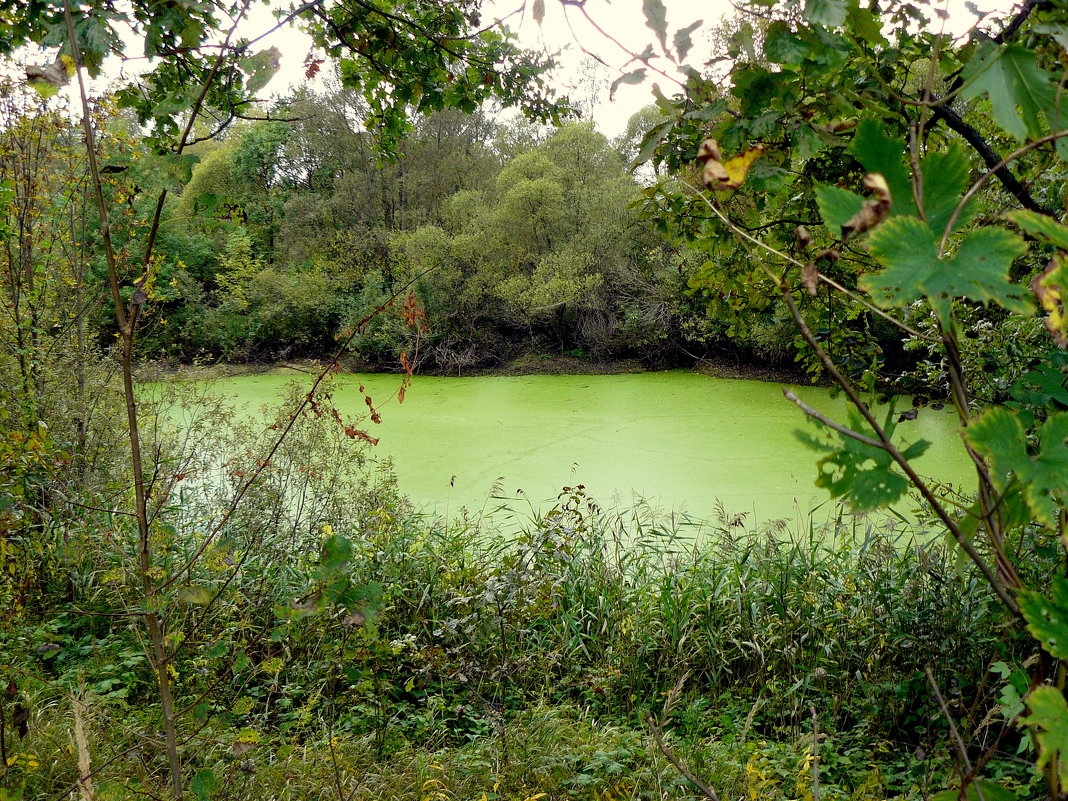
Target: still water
{"x":681,"y":441}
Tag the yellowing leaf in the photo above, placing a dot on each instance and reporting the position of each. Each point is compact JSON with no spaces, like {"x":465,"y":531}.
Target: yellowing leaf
{"x":738,"y":167}
{"x":718,"y":174}
{"x":1051,"y":289}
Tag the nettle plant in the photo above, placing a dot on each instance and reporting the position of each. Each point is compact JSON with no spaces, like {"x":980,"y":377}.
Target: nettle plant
{"x":863,"y":171}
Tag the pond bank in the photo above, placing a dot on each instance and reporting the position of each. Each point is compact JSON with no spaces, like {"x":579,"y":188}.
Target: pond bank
{"x":527,"y":365}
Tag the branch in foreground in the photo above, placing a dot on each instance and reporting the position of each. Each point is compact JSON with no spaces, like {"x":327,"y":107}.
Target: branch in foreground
{"x":1011,"y":183}
{"x":841,"y":429}
{"x":658,"y":738}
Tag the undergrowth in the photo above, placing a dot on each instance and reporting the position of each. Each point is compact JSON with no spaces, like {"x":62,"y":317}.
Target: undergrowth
{"x":491,"y":660}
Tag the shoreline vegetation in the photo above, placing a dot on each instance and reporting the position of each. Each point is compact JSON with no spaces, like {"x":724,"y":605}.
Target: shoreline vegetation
{"x":530,"y":364}
{"x":240,"y":609}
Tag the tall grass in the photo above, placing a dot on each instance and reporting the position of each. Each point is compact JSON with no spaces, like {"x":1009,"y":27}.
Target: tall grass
{"x":484,"y":635}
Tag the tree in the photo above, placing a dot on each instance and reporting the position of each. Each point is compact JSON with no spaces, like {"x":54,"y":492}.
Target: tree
{"x":853,"y":166}
{"x":402,"y":55}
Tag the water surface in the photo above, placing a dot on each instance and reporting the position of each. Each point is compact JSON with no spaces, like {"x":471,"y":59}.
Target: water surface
{"x":682,"y":441}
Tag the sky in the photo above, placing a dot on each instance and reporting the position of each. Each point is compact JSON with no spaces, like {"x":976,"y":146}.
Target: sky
{"x":617,"y":31}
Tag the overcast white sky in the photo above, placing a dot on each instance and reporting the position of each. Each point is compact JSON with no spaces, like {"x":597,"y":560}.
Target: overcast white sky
{"x":566,"y":30}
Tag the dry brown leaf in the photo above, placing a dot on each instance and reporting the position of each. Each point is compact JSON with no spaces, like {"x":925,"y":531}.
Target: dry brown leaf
{"x":873,"y":211}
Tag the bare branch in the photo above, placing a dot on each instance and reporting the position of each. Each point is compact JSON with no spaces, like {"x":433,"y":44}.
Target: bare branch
{"x":658,"y":738}
{"x":841,"y":429}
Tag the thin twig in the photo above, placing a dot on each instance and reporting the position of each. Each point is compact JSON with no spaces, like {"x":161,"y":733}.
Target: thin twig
{"x":982,"y":180}
{"x":953,"y":730}
{"x":841,"y":429}
{"x":658,"y":738}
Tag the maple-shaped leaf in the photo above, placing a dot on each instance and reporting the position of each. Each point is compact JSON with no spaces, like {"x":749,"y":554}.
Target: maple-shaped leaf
{"x":1048,"y":719}
{"x":837,"y":206}
{"x":881,"y":154}
{"x":945,"y":177}
{"x":859,"y":472}
{"x":979,"y":270}
{"x":1047,"y":618}
{"x":1019,"y":90}
{"x":999,"y":435}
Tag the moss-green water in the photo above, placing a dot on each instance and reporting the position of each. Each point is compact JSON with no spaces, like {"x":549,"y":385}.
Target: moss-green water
{"x":680,"y":440}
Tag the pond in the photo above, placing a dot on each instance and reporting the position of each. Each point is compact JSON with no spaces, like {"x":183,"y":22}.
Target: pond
{"x":681,"y":441}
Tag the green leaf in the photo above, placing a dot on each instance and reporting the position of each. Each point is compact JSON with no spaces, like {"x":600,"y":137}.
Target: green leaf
{"x":1046,"y":384}
{"x":757,"y":88}
{"x":879,"y":153}
{"x":656,"y":19}
{"x":806,"y":143}
{"x":684,"y":39}
{"x":632,"y":77}
{"x":783,"y":46}
{"x":1049,"y":721}
{"x":195,"y":594}
{"x":652,"y":139}
{"x":865,"y":25}
{"x":945,"y":177}
{"x":979,"y":269}
{"x":260,"y":68}
{"x":1000,"y":437}
{"x":217,"y":651}
{"x":862,"y":474}
{"x":44,"y":89}
{"x":1047,"y":618}
{"x":1019,"y":90}
{"x":1041,"y":226}
{"x":178,"y":167}
{"x":830,"y":13}
{"x":837,"y":206}
{"x":337,"y":551}
{"x":203,"y":785}
{"x":742,"y":45}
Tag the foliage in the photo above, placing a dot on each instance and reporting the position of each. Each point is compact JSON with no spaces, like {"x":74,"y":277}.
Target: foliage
{"x":857,"y":198}
{"x":521,"y":660}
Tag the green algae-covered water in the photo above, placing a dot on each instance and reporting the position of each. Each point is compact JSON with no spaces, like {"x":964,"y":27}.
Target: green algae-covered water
{"x":681,"y":441}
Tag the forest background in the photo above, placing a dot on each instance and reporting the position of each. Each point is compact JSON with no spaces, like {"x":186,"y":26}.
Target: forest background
{"x":236,"y":610}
